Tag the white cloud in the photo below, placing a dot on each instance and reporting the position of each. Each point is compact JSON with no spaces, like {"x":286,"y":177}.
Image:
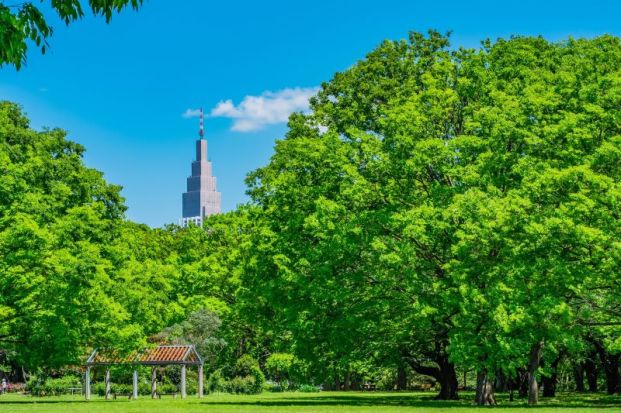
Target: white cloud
{"x":254,"y":112}
{"x":191,"y":113}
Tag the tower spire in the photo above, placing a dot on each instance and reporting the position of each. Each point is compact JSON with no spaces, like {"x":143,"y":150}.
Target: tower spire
{"x":201,"y":132}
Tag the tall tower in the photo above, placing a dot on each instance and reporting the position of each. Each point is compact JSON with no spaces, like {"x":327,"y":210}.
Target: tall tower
{"x":201,"y":198}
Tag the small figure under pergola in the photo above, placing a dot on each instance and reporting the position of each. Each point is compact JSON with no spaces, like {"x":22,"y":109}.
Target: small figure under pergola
{"x":183,"y":355}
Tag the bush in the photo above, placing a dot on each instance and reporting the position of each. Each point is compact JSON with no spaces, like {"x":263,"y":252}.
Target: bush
{"x":386,"y":380}
{"x":253,"y":378}
{"x":216,"y":382}
{"x":308,"y":388}
{"x":243,"y":385}
{"x":52,"y":387}
{"x":279,"y":366}
{"x":273,"y":387}
{"x":144,"y":389}
{"x":247,"y":378}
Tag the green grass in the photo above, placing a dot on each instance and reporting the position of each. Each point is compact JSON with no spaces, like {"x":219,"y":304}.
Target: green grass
{"x":341,"y":402}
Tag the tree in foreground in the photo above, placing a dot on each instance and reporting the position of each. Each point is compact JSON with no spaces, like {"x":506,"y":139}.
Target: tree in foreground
{"x":23,"y":22}
{"x":58,"y":219}
{"x":447,"y":206}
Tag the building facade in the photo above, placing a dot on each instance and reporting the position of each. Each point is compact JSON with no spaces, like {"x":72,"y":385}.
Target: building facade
{"x":201,"y":198}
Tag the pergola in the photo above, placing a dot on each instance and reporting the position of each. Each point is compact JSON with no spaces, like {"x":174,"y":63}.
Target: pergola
{"x":183,"y":355}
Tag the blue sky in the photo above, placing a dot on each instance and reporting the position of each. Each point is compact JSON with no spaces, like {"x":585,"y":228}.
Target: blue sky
{"x":122,"y":89}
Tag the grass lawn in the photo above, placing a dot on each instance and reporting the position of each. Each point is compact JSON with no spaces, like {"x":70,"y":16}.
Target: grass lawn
{"x":302,"y":402}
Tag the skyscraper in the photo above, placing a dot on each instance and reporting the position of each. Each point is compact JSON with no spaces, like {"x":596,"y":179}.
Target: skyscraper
{"x":201,"y":198}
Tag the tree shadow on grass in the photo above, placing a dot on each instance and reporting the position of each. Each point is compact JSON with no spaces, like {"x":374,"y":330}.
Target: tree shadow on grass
{"x":53,"y":400}
{"x":47,"y":401}
{"x":413,"y":401}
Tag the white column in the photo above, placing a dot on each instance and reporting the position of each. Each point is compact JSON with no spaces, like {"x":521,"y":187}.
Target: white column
{"x":107,"y":383}
{"x":183,"y":371}
{"x":154,"y":382}
{"x":135,"y":385}
{"x":87,"y":383}
{"x":200,"y":381}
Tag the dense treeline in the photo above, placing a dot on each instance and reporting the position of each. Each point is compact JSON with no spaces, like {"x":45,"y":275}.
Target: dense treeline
{"x":439,"y":212}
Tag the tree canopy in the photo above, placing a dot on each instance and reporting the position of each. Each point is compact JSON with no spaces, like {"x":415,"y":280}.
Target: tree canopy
{"x":57,"y":218}
{"x":450,"y":206}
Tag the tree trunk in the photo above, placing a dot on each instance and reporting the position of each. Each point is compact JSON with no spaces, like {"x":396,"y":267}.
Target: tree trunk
{"x":611,"y":370}
{"x":579,"y":377}
{"x":533,"y":365}
{"x":347,"y":384}
{"x":402,"y":377}
{"x":500,"y":383}
{"x":485,"y":390}
{"x":591,"y":372}
{"x":444,"y":374}
{"x":550,"y":382}
{"x":448,"y":379}
{"x":610,"y":363}
{"x":522,"y":383}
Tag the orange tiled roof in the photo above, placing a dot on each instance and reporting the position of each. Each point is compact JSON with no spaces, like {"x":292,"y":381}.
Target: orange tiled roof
{"x":175,"y":354}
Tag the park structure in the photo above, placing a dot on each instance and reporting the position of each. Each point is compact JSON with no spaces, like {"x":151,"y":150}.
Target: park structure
{"x":163,"y":355}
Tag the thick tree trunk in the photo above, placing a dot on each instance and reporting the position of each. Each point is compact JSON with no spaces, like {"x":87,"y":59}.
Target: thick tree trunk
{"x":610,"y":363}
{"x":579,"y":377}
{"x":533,"y":364}
{"x":448,"y":380}
{"x":485,"y":390}
{"x":444,"y":374}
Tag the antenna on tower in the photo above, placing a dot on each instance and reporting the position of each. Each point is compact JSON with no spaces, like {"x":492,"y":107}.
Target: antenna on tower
{"x":201,"y":132}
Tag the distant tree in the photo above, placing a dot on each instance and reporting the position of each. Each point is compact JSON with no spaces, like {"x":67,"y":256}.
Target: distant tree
{"x":23,"y":22}
{"x":199,"y":329}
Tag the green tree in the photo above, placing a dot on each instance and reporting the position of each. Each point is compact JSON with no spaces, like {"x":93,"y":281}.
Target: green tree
{"x":449,"y":207}
{"x":56,"y":219}
{"x":23,"y":22}
{"x":199,"y":329}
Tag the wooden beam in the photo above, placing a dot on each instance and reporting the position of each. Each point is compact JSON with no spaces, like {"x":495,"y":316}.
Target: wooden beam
{"x":87,"y":384}
{"x":183,"y":371}
{"x":154,"y":382}
{"x":107,"y":383}
{"x":135,"y":385}
{"x":200,"y":381}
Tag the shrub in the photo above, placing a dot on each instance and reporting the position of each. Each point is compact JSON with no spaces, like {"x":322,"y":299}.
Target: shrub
{"x":279,"y":365}
{"x":216,"y":382}
{"x":144,"y":389}
{"x":167,"y":388}
{"x":247,"y":378}
{"x":273,"y":387}
{"x":308,"y":388}
{"x":243,"y":385}
{"x":52,"y":387}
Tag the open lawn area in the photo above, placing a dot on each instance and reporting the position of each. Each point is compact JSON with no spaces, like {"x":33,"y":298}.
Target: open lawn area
{"x":303,"y":402}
